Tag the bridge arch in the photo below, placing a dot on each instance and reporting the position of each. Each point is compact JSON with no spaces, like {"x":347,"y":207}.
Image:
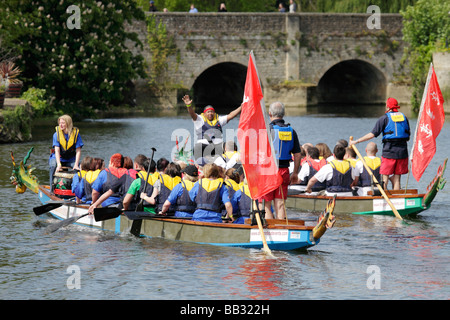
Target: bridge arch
{"x":352,"y":81}
{"x":220,"y":85}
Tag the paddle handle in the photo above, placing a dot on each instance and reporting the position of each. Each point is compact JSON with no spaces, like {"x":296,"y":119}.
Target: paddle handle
{"x":376,"y":182}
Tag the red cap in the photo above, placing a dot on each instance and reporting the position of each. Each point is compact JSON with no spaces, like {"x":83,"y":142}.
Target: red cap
{"x":391,"y":103}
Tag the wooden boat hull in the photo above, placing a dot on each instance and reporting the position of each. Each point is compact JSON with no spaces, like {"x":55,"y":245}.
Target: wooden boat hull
{"x":408,"y":202}
{"x":279,"y":236}
{"x":372,"y":205}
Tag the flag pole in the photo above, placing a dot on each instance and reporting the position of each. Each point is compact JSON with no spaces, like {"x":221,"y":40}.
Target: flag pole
{"x":422,"y":103}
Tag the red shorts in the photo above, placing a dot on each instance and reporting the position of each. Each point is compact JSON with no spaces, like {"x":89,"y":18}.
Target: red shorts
{"x":393,"y":166}
{"x":277,"y":194}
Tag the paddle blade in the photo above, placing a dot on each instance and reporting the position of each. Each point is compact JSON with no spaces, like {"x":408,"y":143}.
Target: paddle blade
{"x":46,"y":208}
{"x":53,"y":227}
{"x":101,"y":214}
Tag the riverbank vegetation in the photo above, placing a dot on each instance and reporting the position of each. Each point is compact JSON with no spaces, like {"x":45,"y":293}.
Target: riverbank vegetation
{"x":80,"y":69}
{"x":352,"y":6}
{"x":81,"y":56}
{"x":426,"y":30}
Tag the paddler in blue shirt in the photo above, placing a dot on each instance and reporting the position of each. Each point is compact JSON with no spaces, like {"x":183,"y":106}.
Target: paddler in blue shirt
{"x":67,"y":144}
{"x":208,"y":129}
{"x":210,"y":194}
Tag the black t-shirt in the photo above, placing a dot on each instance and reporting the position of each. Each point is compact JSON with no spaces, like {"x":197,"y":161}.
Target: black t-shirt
{"x":392,"y":149}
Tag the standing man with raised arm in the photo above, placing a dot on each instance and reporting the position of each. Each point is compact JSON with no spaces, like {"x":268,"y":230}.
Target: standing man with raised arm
{"x":208,"y":129}
{"x":394,"y":126}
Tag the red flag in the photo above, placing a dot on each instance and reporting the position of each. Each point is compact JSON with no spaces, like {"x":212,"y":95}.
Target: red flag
{"x":257,"y":153}
{"x":429,"y":125}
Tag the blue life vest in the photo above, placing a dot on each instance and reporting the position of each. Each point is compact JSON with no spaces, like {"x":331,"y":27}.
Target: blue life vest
{"x":208,"y":196}
{"x":184,"y":202}
{"x":342,"y":177}
{"x":314,"y":167}
{"x":365,"y":179}
{"x":245,"y":204}
{"x":397,"y":127}
{"x":283,"y":142}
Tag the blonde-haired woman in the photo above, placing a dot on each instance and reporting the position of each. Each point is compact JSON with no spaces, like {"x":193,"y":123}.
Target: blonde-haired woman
{"x":66,"y":147}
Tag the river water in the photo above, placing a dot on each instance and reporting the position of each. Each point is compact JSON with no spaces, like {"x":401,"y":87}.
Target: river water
{"x":361,"y":257}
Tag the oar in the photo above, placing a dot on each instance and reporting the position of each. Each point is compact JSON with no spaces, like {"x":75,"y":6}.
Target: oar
{"x":53,"y":227}
{"x":136,"y":225}
{"x":46,"y":208}
{"x":101,"y":214}
{"x":261,"y":230}
{"x":140,"y":206}
{"x":376,"y":182}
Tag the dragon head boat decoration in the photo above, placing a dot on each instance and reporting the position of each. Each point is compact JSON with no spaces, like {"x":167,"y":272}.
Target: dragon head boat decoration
{"x":22,"y":175}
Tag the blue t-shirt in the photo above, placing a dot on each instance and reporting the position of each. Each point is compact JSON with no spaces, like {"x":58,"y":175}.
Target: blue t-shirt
{"x":56,"y":143}
{"x":97,"y":185}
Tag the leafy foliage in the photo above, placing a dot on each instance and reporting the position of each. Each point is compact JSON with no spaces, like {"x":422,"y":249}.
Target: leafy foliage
{"x":80,"y":69}
{"x":426,"y":29}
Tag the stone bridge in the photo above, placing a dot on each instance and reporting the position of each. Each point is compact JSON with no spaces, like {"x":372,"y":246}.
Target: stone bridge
{"x":303,"y":59}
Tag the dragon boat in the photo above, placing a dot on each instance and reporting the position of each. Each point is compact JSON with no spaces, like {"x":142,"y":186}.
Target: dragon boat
{"x":407,"y":202}
{"x":279,"y":234}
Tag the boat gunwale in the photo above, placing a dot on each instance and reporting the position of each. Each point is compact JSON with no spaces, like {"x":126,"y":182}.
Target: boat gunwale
{"x":271,"y":223}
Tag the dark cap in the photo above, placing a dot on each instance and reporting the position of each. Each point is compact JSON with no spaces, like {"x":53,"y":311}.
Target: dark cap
{"x":191,"y":170}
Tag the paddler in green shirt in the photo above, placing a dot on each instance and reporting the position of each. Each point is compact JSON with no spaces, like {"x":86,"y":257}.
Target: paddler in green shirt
{"x":132,"y":198}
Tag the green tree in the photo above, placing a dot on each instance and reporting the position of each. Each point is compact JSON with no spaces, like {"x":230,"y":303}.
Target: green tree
{"x":80,"y":69}
{"x":426,"y":28}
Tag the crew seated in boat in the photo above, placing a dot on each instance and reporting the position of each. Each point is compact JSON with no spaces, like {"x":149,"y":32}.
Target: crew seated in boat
{"x":232,"y":180}
{"x":230,"y":158}
{"x":324,"y":151}
{"x":350,"y":155}
{"x":107,"y":178}
{"x":243,"y":200}
{"x":84,"y":188}
{"x":184,"y":206}
{"x":210,"y":194}
{"x":122,"y":185}
{"x":163,"y":187}
{"x":338,"y":175}
{"x":309,"y":168}
{"x":363,"y":180}
{"x":77,"y":180}
{"x":133,"y":194}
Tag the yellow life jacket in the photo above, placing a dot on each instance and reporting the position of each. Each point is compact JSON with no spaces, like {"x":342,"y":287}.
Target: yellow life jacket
{"x":67,"y":146}
{"x":341,"y":166}
{"x":231,"y":183}
{"x":90,"y":176}
{"x":188,"y":184}
{"x":208,"y":196}
{"x":213,"y":122}
{"x":152,"y":177}
{"x":353,"y":162}
{"x":373,"y":163}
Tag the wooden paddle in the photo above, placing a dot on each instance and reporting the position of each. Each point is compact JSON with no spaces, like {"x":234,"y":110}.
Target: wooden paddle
{"x":53,"y":227}
{"x":261,"y":230}
{"x":376,"y":182}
